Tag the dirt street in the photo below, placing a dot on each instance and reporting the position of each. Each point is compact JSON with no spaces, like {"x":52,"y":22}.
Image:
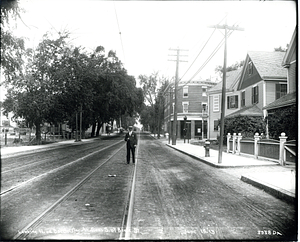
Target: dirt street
{"x":178,"y":197}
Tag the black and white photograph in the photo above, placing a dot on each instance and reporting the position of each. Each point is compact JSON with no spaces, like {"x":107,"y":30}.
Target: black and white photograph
{"x":149,"y":120}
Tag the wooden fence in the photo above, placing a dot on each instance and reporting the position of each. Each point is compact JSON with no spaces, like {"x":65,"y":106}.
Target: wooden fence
{"x":280,"y":150}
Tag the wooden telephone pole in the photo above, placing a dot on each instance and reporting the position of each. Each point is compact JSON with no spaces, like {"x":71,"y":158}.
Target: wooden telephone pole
{"x":226,"y":27}
{"x":175,"y":93}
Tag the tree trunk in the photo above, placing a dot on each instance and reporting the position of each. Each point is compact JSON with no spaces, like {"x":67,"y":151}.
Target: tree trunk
{"x":38,"y":133}
{"x":93,"y":129}
{"x":98,"y":128}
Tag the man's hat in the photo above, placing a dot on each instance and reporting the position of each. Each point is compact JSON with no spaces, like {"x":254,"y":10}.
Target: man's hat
{"x":130,"y":127}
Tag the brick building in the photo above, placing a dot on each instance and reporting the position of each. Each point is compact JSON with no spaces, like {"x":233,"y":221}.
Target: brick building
{"x":192,"y":103}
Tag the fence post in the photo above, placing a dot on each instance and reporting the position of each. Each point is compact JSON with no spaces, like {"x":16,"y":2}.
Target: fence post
{"x":239,"y":137}
{"x":233,"y":143}
{"x":256,"y":139}
{"x":228,"y":143}
{"x":282,"y":153}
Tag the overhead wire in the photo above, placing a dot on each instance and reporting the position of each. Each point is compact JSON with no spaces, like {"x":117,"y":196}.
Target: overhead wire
{"x":120,"y":32}
{"x":210,"y":57}
{"x":198,"y":54}
{"x":202,"y":48}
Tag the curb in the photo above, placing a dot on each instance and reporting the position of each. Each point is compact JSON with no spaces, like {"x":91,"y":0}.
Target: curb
{"x":216,"y":165}
{"x":273,"y":190}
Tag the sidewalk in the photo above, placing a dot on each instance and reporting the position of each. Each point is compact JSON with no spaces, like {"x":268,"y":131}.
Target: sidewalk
{"x":9,"y":151}
{"x":275,"y":179}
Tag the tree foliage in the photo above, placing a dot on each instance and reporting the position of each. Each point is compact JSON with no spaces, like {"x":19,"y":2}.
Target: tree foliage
{"x":246,"y":125}
{"x":235,"y":66}
{"x":60,"y":80}
{"x":151,"y":116}
{"x":283,"y":120}
{"x":12,"y":47}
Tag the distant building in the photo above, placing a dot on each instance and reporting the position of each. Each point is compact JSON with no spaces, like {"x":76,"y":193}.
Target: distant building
{"x":192,"y":104}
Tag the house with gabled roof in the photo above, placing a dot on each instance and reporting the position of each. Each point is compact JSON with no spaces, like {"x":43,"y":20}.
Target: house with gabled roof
{"x":260,"y":82}
{"x":288,"y":101}
{"x":263,"y":79}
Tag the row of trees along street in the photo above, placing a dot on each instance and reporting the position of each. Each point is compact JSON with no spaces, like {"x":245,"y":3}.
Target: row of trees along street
{"x":55,"y":80}
{"x":152,"y":113}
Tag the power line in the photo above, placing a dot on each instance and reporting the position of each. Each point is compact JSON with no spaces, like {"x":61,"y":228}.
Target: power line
{"x":198,"y":54}
{"x":119,"y":33}
{"x":212,"y":55}
{"x":202,"y":49}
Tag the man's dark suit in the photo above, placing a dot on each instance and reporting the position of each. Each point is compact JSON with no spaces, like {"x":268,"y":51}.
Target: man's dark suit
{"x":131,"y":144}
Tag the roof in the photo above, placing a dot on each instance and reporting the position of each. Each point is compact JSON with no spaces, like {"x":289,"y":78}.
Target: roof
{"x":284,"y":101}
{"x":247,"y":111}
{"x":289,"y":53}
{"x":268,"y":64}
{"x":231,"y":79}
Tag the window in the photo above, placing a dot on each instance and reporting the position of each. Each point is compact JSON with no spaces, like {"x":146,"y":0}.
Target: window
{"x":204,"y":107}
{"x":254,"y":94}
{"x":232,"y":101}
{"x":185,"y":92}
{"x":185,"y":107}
{"x":243,"y":99}
{"x":216,"y":125}
{"x":204,"y":89}
{"x":250,"y":68}
{"x":281,"y":90}
{"x":216,"y":103}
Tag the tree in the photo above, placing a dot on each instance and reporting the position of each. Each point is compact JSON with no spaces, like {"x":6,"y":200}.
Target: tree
{"x":237,"y":65}
{"x":12,"y":48}
{"x":32,"y":94}
{"x":152,"y":113}
{"x":280,"y":49}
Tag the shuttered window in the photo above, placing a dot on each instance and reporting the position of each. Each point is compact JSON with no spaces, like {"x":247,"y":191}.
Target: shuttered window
{"x":216,"y":103}
{"x":243,"y":99}
{"x":232,"y":102}
{"x":254,"y":94}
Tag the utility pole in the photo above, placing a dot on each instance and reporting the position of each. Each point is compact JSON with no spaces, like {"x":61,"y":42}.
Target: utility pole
{"x":175,"y":93}
{"x":80,"y":123}
{"x":226,"y":27}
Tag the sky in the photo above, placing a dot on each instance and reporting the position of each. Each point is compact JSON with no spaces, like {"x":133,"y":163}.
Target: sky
{"x":143,"y":33}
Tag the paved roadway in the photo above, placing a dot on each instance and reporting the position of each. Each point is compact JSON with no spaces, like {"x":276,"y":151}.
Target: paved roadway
{"x":176,"y":197}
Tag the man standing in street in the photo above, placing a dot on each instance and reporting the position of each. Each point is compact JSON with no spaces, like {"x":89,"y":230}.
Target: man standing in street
{"x":131,"y":140}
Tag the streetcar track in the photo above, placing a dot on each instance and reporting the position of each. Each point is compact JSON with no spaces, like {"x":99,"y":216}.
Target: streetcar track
{"x":43,"y":160}
{"x":42,"y":216}
{"x":54,"y":170}
{"x":129,"y":208}
{"x":24,"y":157}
